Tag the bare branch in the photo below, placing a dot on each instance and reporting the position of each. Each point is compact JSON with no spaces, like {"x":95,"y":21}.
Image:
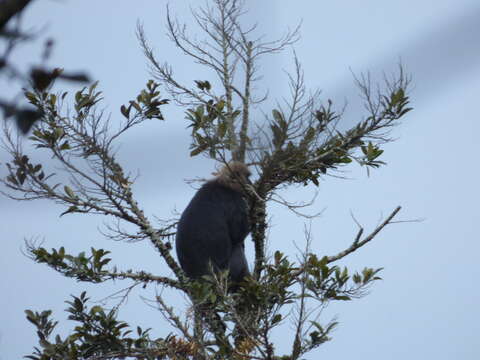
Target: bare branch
{"x":170,"y":316}
{"x":357,"y":243}
{"x":143,"y":277}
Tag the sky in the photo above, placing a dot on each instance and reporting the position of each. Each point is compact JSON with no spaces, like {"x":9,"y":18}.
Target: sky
{"x":427,"y":304}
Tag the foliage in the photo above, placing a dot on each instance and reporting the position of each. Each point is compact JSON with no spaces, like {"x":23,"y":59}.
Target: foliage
{"x":99,"y":335}
{"x":38,"y":76}
{"x":298,"y":144}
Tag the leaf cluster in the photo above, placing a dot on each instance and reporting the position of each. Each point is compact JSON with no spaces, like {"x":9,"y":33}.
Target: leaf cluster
{"x":210,"y":123}
{"x":99,"y":334}
{"x":256,"y":307}
{"x":80,"y":267}
{"x":320,"y":147}
{"x":79,"y":140}
{"x":147,"y":103}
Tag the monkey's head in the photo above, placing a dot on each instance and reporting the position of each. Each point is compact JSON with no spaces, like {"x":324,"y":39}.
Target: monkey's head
{"x":234,"y":175}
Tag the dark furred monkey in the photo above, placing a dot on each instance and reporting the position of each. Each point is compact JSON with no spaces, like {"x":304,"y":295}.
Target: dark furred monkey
{"x":213,"y":227}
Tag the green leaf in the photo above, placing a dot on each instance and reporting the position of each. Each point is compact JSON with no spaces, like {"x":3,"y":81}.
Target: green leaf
{"x":357,"y":279}
{"x":125,"y":111}
{"x":277,"y":257}
{"x":30,"y":97}
{"x":69,"y":192}
{"x":21,"y":176}
{"x":278,"y":116}
{"x":203,"y":85}
{"x":345,"y":160}
{"x":58,"y":133}
{"x":136,"y":106}
{"x":92,"y":87}
{"x":71,"y":209}
{"x":11,"y":178}
{"x":220,"y":105}
{"x":65,"y":146}
{"x":96,"y":309}
{"x":196,"y":151}
{"x":397,"y":97}
{"x":53,"y":99}
{"x":309,"y":136}
{"x":276,"y":319}
{"x":404,"y":111}
{"x":222,"y":129}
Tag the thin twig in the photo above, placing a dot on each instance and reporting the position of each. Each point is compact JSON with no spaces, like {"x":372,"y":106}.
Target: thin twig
{"x":358,"y":244}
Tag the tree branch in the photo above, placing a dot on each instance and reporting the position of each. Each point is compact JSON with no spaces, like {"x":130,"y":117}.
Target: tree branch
{"x":358,"y":244}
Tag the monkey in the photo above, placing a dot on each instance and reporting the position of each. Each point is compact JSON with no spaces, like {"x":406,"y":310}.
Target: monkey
{"x":213,"y":227}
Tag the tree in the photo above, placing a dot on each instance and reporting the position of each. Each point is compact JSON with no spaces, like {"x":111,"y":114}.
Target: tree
{"x":298,"y":144}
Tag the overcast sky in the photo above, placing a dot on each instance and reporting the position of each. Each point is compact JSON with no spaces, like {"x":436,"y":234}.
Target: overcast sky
{"x":427,"y":305}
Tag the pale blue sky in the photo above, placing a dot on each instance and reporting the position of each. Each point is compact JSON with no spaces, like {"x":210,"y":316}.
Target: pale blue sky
{"x":427,"y":305}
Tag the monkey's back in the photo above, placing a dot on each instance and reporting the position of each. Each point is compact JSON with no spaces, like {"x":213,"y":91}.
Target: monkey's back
{"x":212,"y":228}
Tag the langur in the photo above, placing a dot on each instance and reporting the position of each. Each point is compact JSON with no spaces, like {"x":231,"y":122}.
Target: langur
{"x":212,"y":229}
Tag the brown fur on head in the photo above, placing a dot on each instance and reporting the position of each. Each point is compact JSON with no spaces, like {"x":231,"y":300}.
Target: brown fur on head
{"x":234,"y":175}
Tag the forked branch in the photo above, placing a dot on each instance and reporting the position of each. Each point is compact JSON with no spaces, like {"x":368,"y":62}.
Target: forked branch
{"x":357,"y":243}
